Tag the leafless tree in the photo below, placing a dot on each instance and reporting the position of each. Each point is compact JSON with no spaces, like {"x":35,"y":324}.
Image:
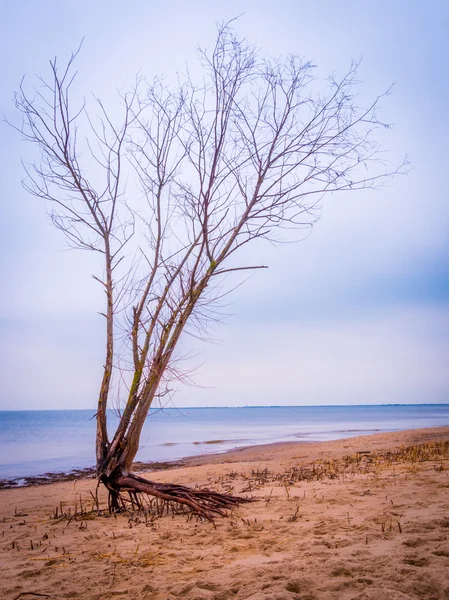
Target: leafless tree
{"x":169,"y":198}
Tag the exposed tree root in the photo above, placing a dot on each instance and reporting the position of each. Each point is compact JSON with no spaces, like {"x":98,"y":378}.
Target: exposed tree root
{"x":203,"y":503}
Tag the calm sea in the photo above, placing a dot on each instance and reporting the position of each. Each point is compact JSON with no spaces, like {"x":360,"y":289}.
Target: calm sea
{"x":37,"y":442}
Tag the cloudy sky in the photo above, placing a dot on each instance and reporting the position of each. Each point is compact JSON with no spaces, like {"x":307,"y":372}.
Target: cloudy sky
{"x":355,"y":314}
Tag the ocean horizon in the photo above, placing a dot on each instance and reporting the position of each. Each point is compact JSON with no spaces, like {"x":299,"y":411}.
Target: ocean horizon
{"x":38,"y":442}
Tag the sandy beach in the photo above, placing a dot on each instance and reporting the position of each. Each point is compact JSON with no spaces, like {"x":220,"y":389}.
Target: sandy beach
{"x":364,"y":518}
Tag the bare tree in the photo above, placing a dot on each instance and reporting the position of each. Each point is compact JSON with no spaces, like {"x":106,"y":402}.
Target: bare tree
{"x":249,"y":151}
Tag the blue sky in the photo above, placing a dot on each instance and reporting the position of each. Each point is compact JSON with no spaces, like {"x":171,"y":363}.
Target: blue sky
{"x":356,"y":313}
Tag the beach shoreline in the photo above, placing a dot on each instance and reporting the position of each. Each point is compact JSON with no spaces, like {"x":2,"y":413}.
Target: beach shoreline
{"x":361,"y":518}
{"x":49,"y":478}
{"x":33,"y":443}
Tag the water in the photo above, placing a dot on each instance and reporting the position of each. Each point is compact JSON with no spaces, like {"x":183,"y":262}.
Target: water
{"x":37,"y":442}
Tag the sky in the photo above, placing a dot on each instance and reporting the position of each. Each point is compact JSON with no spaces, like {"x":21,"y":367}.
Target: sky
{"x":356,"y":313}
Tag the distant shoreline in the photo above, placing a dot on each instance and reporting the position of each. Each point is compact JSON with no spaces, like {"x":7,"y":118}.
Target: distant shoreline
{"x":181,"y":408}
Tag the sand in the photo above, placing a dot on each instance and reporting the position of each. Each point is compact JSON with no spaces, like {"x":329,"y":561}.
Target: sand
{"x":372,"y":526}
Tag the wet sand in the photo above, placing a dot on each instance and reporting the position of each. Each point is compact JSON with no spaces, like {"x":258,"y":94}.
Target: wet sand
{"x":364,"y":518}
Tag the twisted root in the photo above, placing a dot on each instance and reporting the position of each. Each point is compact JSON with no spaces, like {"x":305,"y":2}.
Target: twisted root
{"x":203,"y":503}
